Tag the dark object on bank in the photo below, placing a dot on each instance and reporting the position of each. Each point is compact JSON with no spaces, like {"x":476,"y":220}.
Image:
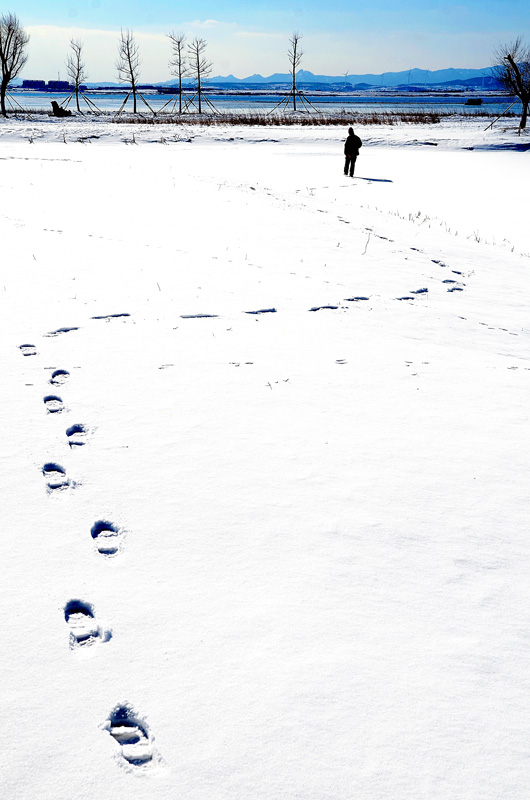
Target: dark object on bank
{"x":58,"y":111}
{"x":473,"y":101}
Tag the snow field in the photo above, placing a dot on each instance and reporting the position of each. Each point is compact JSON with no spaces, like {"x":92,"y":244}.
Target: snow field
{"x":320,"y":583}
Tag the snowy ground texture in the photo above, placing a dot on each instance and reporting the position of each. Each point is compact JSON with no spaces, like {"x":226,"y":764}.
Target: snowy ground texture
{"x":265,"y":464}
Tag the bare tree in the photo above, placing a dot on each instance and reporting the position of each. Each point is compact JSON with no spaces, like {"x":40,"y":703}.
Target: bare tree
{"x":75,"y":67}
{"x":512,"y":70}
{"x":294,"y":54}
{"x":128,"y":62}
{"x":13,"y":56}
{"x":178,"y":63}
{"x":200,"y":67}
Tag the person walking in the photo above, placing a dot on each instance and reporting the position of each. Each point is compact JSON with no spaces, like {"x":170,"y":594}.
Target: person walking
{"x":351,"y":151}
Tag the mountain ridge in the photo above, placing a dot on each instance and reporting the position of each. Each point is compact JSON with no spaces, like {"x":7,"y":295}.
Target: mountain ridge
{"x":451,"y":76}
{"x":413,"y":76}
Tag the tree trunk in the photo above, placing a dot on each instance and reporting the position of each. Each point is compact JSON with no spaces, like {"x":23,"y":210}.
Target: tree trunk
{"x":3,"y":90}
{"x":522,"y":124}
{"x":77,"y":97}
{"x":199,"y":87}
{"x":134,"y":98}
{"x":294,"y":90}
{"x":180,"y":93}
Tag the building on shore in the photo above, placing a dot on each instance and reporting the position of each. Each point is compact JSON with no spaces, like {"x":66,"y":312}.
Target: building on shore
{"x":51,"y":86}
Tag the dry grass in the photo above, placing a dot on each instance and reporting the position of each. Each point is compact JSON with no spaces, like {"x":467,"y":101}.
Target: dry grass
{"x":398,"y":117}
{"x":271,"y":120}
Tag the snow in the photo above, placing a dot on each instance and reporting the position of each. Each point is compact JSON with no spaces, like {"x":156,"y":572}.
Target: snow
{"x":266,"y":555}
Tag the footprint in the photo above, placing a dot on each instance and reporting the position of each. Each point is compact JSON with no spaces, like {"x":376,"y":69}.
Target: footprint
{"x":111,"y":316}
{"x":54,"y":405}
{"x":84,"y":630}
{"x":198,"y":316}
{"x":262,"y":311}
{"x":77,"y":435}
{"x":59,"y":377}
{"x":107,"y":537}
{"x":355,"y":299}
{"x":28,"y":349}
{"x":132,"y":734}
{"x":321,"y":308}
{"x":60,"y":330}
{"x":56,"y":479}
{"x":419,"y":291}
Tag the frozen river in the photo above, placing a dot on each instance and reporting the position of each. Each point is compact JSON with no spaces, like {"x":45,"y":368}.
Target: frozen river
{"x":360,"y":103}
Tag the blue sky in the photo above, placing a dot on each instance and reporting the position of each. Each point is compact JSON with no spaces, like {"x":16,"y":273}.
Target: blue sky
{"x":248,"y":37}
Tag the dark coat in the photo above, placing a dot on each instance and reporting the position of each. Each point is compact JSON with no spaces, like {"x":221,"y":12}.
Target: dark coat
{"x":352,"y":145}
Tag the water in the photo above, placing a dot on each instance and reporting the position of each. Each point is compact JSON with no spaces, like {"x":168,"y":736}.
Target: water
{"x":110,"y":101}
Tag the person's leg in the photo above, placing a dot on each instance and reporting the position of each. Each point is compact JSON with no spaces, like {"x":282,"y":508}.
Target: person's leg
{"x":352,"y":165}
{"x":346,"y":165}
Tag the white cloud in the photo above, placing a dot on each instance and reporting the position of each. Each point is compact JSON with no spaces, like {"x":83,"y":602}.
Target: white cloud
{"x":206,"y":23}
{"x":261,"y":35}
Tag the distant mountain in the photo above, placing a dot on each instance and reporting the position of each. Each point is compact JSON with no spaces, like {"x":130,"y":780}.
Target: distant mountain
{"x":484,"y":82}
{"x":415,"y":77}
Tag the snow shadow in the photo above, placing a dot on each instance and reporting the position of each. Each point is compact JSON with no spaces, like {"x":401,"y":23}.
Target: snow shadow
{"x":519,"y":147}
{"x":374,"y":180}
